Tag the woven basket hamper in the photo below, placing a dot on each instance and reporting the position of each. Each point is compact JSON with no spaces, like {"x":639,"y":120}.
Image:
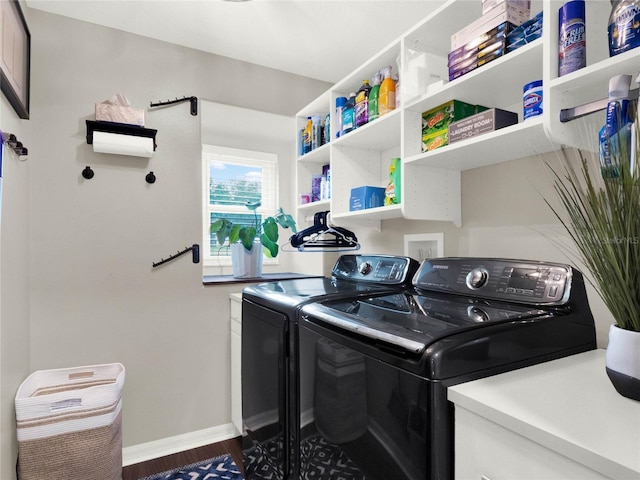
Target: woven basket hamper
{"x":69,"y":424}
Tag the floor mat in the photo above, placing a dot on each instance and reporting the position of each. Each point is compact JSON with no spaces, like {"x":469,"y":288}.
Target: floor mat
{"x":222,"y":468}
{"x":321,"y":461}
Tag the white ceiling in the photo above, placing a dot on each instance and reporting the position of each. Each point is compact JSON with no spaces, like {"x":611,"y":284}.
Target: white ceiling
{"x":322,"y":39}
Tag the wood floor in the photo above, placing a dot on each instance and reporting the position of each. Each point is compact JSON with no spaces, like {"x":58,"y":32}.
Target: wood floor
{"x":141,"y":470}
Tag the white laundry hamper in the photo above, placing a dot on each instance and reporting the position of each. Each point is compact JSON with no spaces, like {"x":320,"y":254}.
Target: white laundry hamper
{"x":69,"y":423}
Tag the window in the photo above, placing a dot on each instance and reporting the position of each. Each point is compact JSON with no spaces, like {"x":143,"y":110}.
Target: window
{"x":231,"y":178}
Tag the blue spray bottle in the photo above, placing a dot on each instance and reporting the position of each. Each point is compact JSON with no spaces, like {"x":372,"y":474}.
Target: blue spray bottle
{"x":616,"y":136}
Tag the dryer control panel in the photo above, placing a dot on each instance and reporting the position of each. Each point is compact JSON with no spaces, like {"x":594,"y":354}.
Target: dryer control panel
{"x":379,"y":269}
{"x":531,"y":282}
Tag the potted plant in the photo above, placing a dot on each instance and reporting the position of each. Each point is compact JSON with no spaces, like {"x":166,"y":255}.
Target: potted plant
{"x":246,"y":258}
{"x":600,"y":210}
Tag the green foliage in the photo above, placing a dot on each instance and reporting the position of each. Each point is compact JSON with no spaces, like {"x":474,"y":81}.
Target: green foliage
{"x":268,"y":231}
{"x":601,"y":214}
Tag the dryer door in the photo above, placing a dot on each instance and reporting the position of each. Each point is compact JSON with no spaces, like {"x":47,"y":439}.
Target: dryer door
{"x":264,"y":391}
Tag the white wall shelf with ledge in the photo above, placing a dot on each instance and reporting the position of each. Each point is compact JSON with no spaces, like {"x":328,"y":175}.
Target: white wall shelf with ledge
{"x":497,"y":84}
{"x":431,"y":180}
{"x":380,"y":134}
{"x":522,"y":139}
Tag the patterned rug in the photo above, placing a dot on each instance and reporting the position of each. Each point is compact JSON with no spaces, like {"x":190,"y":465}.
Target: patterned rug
{"x":223,"y":468}
{"x":321,"y":460}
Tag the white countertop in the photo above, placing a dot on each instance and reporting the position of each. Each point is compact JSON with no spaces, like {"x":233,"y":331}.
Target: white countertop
{"x":567,"y":405}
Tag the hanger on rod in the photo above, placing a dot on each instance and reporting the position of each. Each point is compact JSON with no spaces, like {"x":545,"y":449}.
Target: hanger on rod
{"x":321,"y":237}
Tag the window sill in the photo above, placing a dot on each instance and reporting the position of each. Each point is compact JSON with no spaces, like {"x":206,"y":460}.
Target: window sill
{"x":266,"y":277}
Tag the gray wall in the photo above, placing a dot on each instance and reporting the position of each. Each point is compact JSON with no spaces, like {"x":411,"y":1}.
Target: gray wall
{"x":14,"y":284}
{"x":89,"y":245}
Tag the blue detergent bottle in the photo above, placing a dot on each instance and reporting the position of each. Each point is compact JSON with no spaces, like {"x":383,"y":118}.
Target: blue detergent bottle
{"x":349,"y":115}
{"x":615,"y":142}
{"x":624,"y":26}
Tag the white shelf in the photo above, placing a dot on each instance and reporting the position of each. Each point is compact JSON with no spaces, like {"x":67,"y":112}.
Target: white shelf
{"x":499,"y":83}
{"x":523,"y":139}
{"x":319,"y":155}
{"x":380,"y":134}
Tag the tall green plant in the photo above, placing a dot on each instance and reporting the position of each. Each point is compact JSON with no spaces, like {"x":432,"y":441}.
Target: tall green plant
{"x":602,"y":216}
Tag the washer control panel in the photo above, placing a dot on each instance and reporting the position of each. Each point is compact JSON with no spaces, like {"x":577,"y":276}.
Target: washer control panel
{"x":522,"y":281}
{"x":381,"y":269}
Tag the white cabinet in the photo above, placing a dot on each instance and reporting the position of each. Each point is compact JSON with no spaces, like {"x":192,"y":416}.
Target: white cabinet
{"x":557,"y":420}
{"x":431,"y":180}
{"x":235,"y":301}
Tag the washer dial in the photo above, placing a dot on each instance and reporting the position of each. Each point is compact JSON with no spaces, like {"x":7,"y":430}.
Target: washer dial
{"x":477,"y":278}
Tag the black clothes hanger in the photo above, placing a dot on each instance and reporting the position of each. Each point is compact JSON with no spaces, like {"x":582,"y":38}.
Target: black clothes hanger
{"x":320,"y":236}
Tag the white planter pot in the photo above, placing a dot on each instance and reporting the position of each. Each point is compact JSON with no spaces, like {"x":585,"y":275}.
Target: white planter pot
{"x":246,"y":264}
{"x":623,"y":361}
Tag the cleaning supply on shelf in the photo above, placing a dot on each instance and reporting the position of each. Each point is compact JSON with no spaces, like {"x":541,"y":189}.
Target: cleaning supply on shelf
{"x":392,"y":194}
{"x":316,"y":132}
{"x":306,"y":136}
{"x":387,"y":95}
{"x":340,"y":103}
{"x":397,"y":79}
{"x":572,"y":35}
{"x":362,"y":104}
{"x":348,"y":114}
{"x":327,"y":129}
{"x":532,"y":99}
{"x":373,"y":97}
{"x":435,"y":122}
{"x":617,"y":137}
{"x":624,"y":26}
{"x":301,"y":142}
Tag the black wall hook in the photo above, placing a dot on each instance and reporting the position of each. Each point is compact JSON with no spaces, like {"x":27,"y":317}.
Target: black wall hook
{"x":192,"y":100}
{"x":87,"y":173}
{"x":150,"y":178}
{"x":195,"y":255}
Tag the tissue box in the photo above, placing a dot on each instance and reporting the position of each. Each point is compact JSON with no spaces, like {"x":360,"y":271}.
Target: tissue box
{"x":366,"y":197}
{"x":106,"y":112}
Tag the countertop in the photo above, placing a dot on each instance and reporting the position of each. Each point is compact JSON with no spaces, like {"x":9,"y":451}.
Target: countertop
{"x":567,"y":405}
{"x":266,"y":277}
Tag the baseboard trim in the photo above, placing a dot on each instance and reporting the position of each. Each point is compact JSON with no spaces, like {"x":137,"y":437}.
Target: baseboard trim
{"x":179,"y":443}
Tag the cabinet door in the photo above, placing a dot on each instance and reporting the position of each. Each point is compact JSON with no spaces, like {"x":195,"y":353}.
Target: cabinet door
{"x":236,"y":360}
{"x":487,"y":451}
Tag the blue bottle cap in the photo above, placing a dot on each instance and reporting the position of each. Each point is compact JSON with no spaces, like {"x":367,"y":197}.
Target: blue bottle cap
{"x":534,"y":84}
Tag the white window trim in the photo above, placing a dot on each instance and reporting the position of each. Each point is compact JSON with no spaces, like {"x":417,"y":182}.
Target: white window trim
{"x":222,"y":265}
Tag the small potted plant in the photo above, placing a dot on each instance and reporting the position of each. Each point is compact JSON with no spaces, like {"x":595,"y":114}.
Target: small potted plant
{"x":246,"y":258}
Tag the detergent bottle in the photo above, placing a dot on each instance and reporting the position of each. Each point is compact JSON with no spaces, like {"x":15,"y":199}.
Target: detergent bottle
{"x":387,"y":95}
{"x":616,"y":136}
{"x":624,"y":26}
{"x":373,"y":97}
{"x":362,"y":104}
{"x":306,"y":136}
{"x":348,"y":115}
{"x":392,"y":195}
